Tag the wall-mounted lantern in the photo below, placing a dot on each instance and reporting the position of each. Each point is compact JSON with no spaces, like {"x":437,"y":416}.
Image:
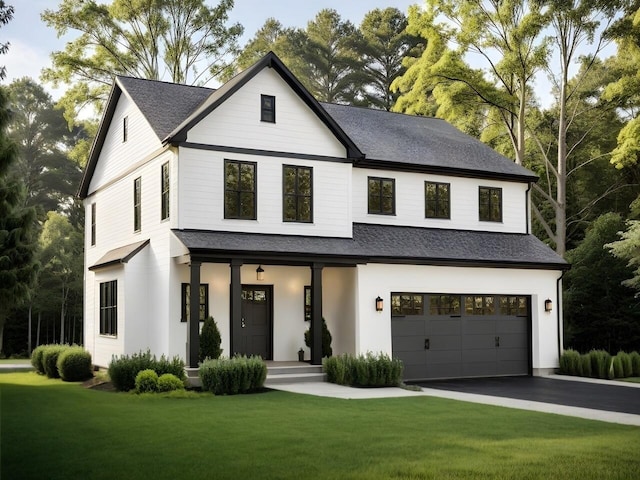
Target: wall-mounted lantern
{"x":548,"y":305}
{"x":260,"y":273}
{"x":379,"y":304}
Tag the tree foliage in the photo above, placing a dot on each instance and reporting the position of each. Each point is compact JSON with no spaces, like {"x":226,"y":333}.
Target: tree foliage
{"x":184,"y":40}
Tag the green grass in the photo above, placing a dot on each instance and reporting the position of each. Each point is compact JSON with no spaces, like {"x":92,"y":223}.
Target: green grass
{"x":630,"y":379}
{"x":56,"y":430}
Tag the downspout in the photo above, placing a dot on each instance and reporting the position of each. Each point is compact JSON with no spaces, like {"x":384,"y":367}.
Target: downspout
{"x":558,"y":310}
{"x":527,"y":207}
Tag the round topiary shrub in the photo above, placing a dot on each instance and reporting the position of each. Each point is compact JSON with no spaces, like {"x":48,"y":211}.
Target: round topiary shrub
{"x":74,"y":364}
{"x":146,"y":381}
{"x":36,"y":358}
{"x":50,"y":359}
{"x":168,"y":382}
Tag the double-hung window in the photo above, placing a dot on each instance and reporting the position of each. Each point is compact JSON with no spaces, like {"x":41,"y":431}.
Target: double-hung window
{"x":203,"y":306}
{"x":93,"y":224}
{"x":297,"y":194}
{"x":240,"y":190}
{"x":268,"y":108}
{"x":436,"y":200}
{"x":164,"y":188}
{"x":490,"y":204}
{"x":382,"y":196}
{"x":109,"y":308}
{"x":137,"y":204}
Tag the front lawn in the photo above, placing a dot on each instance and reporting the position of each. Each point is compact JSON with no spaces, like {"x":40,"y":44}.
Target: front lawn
{"x":55,"y":430}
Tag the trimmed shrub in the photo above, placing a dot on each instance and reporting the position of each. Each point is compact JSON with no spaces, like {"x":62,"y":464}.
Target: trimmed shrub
{"x":36,"y":358}
{"x":230,"y":376}
{"x":123,"y":370}
{"x":616,"y":367}
{"x":364,"y":370}
{"x":570,"y":362}
{"x":327,"y":351}
{"x":625,"y":364}
{"x":210,"y":340}
{"x":635,"y":364}
{"x":50,"y":359}
{"x":600,"y":364}
{"x":74,"y":364}
{"x":585,"y":365}
{"x":146,"y":381}
{"x":167,"y":382}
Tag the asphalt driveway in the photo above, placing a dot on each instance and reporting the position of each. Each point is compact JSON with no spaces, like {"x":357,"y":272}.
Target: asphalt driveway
{"x":610,"y":398}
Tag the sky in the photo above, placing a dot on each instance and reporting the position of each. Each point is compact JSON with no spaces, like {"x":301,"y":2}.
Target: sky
{"x":32,"y":41}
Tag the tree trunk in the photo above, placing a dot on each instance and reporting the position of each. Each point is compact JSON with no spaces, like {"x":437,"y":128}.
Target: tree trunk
{"x":29,"y":334}
{"x":561,"y":187}
{"x":38,"y":331}
{"x":62,"y":318}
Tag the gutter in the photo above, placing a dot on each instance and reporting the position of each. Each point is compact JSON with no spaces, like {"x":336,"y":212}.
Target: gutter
{"x":558,"y":316}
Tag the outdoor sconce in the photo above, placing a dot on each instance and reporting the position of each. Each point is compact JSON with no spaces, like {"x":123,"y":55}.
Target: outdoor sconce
{"x":260,"y":273}
{"x":548,"y":305}
{"x":379,"y":304}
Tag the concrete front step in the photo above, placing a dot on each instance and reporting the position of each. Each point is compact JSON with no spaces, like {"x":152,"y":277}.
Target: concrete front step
{"x":278,"y":373}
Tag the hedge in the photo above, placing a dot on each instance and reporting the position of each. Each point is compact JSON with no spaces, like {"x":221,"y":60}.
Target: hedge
{"x":36,"y":358}
{"x":230,"y":376}
{"x":123,"y":370}
{"x":74,"y":364}
{"x":50,"y":359}
{"x":600,"y":364}
{"x":364,"y":370}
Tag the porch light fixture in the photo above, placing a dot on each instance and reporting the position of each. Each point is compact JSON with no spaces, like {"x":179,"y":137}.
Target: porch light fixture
{"x":379,"y":304}
{"x":260,"y":273}
{"x":548,"y":305}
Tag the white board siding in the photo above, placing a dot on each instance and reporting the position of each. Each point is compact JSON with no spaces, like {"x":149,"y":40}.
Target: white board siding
{"x":201,"y":190}
{"x":236,"y":122}
{"x":117,"y":156}
{"x":374,"y":328}
{"x":464,"y":202}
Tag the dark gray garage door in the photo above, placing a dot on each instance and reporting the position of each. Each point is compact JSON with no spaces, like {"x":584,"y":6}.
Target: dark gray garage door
{"x":451,"y":336}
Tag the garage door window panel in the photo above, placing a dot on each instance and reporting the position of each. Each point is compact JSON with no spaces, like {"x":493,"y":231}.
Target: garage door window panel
{"x":406,"y":304}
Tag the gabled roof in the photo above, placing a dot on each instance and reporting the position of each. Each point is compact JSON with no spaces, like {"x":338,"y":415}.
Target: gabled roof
{"x":395,"y":140}
{"x":382,"y":244}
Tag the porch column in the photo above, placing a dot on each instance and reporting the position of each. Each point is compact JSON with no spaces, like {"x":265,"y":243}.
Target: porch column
{"x":193,"y":324}
{"x":236,"y":305}
{"x":316,"y":313}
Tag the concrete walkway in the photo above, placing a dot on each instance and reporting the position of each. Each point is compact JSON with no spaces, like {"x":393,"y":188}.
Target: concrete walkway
{"x":15,"y":367}
{"x":349,"y":393}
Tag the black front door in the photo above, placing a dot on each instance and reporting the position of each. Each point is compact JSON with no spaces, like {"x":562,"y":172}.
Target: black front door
{"x":255,"y":329}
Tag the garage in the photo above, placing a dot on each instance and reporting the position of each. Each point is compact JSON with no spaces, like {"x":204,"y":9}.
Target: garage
{"x":465,"y":335}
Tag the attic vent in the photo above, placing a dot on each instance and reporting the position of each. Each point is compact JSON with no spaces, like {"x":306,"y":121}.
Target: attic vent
{"x":268,"y":108}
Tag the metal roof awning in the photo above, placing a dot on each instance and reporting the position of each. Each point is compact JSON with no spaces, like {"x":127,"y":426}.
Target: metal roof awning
{"x":119,"y":255}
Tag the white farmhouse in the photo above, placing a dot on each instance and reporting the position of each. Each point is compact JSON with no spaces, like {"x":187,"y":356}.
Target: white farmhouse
{"x":269,"y":211}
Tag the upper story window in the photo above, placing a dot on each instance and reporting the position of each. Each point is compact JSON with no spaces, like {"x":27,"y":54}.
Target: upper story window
{"x":268,"y":108}
{"x":137,"y":204}
{"x":382,"y":195}
{"x":109,"y":308}
{"x":490,"y":204}
{"x":436,"y":200}
{"x":297,"y":194}
{"x":164,"y":188}
{"x":240,"y":190}
{"x":203,"y":306}
{"x":93,"y":224}
{"x":125,"y":129}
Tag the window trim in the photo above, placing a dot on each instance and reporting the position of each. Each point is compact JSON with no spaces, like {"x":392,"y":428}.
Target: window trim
{"x":380,"y":180}
{"x":186,"y":312}
{"x":438,"y":200}
{"x":268,"y":114}
{"x":108,"y":308}
{"x":93,"y":224}
{"x":165,"y":181}
{"x":239,"y":192}
{"x":490,"y":191}
{"x":297,"y":195}
{"x":137,"y":205}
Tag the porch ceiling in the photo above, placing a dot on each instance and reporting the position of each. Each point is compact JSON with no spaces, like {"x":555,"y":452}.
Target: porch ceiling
{"x":379,"y":244}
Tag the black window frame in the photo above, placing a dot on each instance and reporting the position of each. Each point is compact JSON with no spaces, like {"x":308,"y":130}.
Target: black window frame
{"x":93,"y":224}
{"x":165,"y":186}
{"x":486,"y":208}
{"x":238,"y":192}
{"x":125,"y":129}
{"x":296,"y":195}
{"x":307,"y":303}
{"x":380,"y":196}
{"x":442,"y":207}
{"x":137,"y":204}
{"x":109,"y":308}
{"x":268,"y":108}
{"x":185,"y":290}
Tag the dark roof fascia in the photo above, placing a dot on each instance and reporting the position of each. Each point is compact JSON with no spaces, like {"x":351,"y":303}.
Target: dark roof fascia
{"x":293,"y":259}
{"x":270,"y":60}
{"x":453,"y":262}
{"x":98,"y":141}
{"x":442,"y":170}
{"x":122,"y":260}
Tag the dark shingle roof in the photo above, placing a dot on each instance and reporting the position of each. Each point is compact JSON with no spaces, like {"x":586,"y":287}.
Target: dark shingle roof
{"x":384,"y":244}
{"x":164,"y":105}
{"x":419,"y":141}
